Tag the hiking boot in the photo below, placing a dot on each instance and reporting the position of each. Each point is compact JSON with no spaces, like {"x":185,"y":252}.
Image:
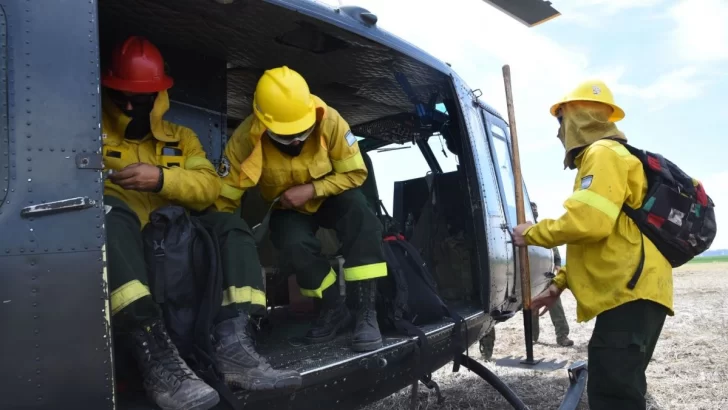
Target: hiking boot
{"x":169,"y":382}
{"x":333,"y":318}
{"x":564,"y":341}
{"x":366,"y":331}
{"x":241,"y":365}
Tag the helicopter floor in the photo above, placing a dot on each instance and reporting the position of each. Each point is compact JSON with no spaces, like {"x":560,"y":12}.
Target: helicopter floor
{"x":284,"y":347}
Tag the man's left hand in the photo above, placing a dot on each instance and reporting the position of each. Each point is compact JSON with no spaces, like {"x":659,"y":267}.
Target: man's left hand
{"x":297,"y":196}
{"x":518,"y":238}
{"x":137,"y":177}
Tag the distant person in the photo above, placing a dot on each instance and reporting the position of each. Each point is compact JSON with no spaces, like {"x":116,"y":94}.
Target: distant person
{"x":604,"y":250}
{"x":556,"y":312}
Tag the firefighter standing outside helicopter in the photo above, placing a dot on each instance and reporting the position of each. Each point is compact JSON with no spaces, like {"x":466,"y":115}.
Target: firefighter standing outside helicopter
{"x":603,"y":250}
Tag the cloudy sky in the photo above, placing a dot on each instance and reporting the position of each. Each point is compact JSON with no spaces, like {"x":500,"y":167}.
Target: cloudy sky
{"x":666,"y":61}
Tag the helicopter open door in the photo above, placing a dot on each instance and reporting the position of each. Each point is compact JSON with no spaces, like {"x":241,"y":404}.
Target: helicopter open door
{"x":54,"y":311}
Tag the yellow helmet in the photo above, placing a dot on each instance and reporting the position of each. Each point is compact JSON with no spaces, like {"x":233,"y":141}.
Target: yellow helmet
{"x":592,"y":90}
{"x":283,"y":103}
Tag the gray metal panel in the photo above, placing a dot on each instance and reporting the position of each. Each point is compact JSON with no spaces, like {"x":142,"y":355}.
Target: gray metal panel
{"x":52,"y":281}
{"x":55,"y":345}
{"x":4,"y":124}
{"x":206,"y":124}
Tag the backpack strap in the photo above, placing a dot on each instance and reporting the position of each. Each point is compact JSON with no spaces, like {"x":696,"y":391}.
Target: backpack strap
{"x":208,"y":265}
{"x":160,"y":258}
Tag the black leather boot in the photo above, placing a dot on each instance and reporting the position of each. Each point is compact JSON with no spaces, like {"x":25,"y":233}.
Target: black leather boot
{"x":241,"y":365}
{"x":334,"y":317}
{"x":168,"y":381}
{"x":367,"y":336}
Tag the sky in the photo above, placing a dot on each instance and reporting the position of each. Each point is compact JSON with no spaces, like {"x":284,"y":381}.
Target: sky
{"x":666,"y":62}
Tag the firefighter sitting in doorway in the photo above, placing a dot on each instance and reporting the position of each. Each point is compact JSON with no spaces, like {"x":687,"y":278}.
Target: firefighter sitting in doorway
{"x":558,"y":317}
{"x":155,"y":163}
{"x":298,"y":149}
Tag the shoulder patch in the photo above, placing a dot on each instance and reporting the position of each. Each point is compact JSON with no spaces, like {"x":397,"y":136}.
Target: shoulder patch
{"x":223,"y":169}
{"x":586,"y":181}
{"x":350,"y":138}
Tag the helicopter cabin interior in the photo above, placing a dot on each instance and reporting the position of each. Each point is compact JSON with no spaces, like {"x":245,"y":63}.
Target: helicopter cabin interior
{"x":404,"y":113}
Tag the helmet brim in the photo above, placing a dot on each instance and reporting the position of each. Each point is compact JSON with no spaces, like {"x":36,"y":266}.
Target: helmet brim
{"x":120,"y":84}
{"x":617,"y":114}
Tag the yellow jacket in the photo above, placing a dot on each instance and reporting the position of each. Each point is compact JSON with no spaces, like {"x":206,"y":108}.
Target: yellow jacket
{"x":190,"y":179}
{"x":602,"y":243}
{"x":330,"y":159}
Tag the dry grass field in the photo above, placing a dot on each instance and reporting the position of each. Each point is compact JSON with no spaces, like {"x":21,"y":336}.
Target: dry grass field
{"x":689,"y":369}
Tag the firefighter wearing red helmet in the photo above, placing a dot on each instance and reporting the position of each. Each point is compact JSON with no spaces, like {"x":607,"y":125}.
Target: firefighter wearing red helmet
{"x":154,"y":163}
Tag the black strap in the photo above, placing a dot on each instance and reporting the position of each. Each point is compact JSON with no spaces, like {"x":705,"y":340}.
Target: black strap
{"x":160,"y":258}
{"x":634,"y":215}
{"x":209,"y":307}
{"x":638,"y":272}
{"x":423,"y":353}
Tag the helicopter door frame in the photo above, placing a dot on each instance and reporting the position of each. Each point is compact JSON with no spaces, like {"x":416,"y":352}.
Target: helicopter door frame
{"x":54,"y":304}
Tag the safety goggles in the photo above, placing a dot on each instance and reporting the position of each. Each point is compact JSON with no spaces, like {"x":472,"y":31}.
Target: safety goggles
{"x":121,"y":99}
{"x":288,"y":139}
{"x":559,"y":115}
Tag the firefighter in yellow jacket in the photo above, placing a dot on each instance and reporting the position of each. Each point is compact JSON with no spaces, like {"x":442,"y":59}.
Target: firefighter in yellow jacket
{"x":298,"y":149}
{"x":603,"y":250}
{"x":154,"y":163}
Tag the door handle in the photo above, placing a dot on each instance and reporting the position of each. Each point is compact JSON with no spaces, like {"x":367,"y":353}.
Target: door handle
{"x":64,"y":205}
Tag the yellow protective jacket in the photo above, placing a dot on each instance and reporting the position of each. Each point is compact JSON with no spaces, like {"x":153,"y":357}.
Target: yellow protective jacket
{"x":330,"y":160}
{"x":190,"y":179}
{"x":603,"y":243}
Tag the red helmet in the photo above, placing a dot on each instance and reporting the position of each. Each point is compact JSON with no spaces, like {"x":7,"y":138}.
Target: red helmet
{"x":136,"y":66}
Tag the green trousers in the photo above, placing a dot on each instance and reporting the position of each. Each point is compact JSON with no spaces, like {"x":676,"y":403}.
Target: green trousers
{"x":357,"y":228}
{"x":131,"y":303}
{"x":558,"y":318}
{"x":620,"y":350}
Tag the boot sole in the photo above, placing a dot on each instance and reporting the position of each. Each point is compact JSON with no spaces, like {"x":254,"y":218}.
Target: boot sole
{"x":366,"y":346}
{"x":345,"y":324}
{"x":287,"y":383}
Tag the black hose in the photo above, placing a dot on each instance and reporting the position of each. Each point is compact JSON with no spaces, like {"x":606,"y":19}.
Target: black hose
{"x":494,"y":381}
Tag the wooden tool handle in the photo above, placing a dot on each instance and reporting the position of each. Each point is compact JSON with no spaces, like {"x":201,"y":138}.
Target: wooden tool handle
{"x":518,"y":181}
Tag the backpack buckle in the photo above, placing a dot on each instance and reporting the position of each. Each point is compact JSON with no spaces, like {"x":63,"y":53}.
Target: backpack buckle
{"x":159,"y":247}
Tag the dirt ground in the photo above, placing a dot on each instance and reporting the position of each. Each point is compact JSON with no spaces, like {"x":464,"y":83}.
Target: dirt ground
{"x":689,"y":369}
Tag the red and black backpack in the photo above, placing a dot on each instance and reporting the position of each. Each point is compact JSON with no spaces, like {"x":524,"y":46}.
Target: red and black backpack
{"x":676,"y":214}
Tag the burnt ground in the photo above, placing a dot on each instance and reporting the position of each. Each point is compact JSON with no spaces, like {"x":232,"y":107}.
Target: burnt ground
{"x":689,"y":369}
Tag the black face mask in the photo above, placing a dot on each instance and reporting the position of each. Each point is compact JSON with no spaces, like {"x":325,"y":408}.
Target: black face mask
{"x":142,"y":105}
{"x":292,"y":150}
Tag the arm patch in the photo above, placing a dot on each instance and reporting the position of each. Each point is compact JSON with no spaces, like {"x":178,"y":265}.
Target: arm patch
{"x":350,"y":138}
{"x":586,"y":181}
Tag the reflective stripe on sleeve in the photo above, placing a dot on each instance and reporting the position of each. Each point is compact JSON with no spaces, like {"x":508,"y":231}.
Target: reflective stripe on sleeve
{"x":596,"y":201}
{"x":245,"y":294}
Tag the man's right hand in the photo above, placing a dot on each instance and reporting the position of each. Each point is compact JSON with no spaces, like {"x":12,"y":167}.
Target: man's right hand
{"x":545,"y":299}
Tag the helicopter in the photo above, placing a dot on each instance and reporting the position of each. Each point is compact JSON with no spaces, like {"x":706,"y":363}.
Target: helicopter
{"x":57,"y":342}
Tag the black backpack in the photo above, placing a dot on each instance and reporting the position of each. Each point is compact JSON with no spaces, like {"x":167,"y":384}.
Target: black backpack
{"x":676,"y":214}
{"x":408,"y":298}
{"x":185,"y":279}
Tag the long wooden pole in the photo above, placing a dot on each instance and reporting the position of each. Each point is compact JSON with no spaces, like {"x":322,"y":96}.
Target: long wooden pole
{"x":520,"y":218}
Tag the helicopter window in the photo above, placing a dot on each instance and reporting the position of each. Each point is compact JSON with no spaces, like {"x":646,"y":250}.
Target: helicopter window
{"x":504,"y":165}
{"x":396,"y":162}
{"x":491,"y":185}
{"x":447,"y":160}
{"x":4,"y":132}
